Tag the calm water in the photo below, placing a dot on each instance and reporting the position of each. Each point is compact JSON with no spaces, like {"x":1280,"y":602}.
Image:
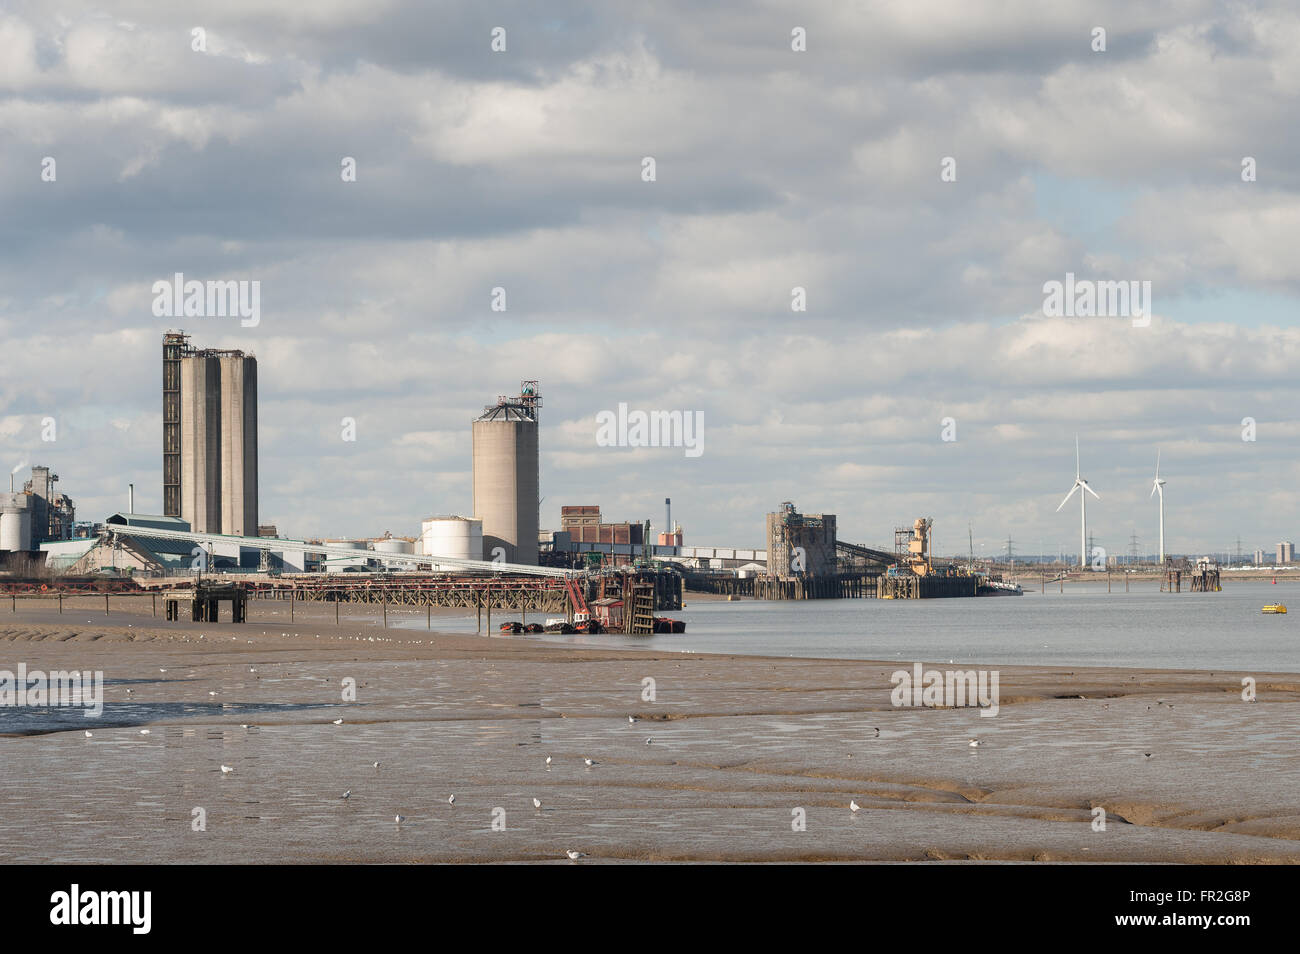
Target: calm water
{"x":1085,"y":626}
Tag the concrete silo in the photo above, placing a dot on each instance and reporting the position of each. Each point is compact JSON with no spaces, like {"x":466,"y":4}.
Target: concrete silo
{"x":238,"y":445}
{"x":210,"y":437}
{"x":200,"y":456}
{"x":507,"y":475}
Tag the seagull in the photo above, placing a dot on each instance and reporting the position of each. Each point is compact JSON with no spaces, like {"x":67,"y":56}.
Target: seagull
{"x":213,"y":693}
{"x":346,"y":795}
{"x":877,"y":731}
{"x":398,"y":819}
{"x":974,"y":743}
{"x":574,"y":855}
{"x":548,"y":760}
{"x":88,"y":733}
{"x":144,"y":731}
{"x":162,"y":670}
{"x":226,"y":770}
{"x":376,"y":765}
{"x":1147,"y":754}
{"x":649,"y":741}
{"x":855,"y":807}
{"x":338,"y":721}
{"x":537,"y":803}
{"x":589,"y":762}
{"x":631,"y":720}
{"x":451,"y":800}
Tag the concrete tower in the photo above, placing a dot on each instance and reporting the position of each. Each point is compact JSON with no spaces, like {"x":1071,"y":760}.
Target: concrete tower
{"x":507,"y":475}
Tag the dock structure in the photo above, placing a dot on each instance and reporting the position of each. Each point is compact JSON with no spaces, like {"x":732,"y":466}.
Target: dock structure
{"x":838,"y":586}
{"x":205,"y":601}
{"x":912,"y":587}
{"x":509,"y":594}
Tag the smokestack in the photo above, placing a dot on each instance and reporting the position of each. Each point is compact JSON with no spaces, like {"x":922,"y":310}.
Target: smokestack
{"x":130,"y":498}
{"x":668,"y":517}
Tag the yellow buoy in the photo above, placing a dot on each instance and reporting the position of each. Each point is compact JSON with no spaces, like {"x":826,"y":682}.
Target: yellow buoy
{"x":1274,"y":608}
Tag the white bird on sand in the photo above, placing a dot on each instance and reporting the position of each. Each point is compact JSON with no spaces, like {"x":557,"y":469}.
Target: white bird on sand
{"x":574,"y":855}
{"x":88,"y":733}
{"x":589,"y":762}
{"x":376,"y":765}
{"x":338,"y":721}
{"x":855,"y":807}
{"x":226,"y":770}
{"x":451,"y":799}
{"x":631,"y":720}
{"x":537,"y":803}
{"x":974,"y":743}
{"x":144,"y":731}
{"x":162,"y":670}
{"x":346,"y":795}
{"x":398,"y":819}
{"x":649,"y":741}
{"x":548,"y":760}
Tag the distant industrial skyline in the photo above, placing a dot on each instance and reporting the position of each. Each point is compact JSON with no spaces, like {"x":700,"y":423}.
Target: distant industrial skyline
{"x":842,"y":264}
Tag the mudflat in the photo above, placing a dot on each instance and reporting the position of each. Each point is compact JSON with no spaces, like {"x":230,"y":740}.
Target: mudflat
{"x":730,"y":758}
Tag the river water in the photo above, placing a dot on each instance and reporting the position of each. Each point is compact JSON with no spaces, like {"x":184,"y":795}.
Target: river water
{"x":1085,"y":626}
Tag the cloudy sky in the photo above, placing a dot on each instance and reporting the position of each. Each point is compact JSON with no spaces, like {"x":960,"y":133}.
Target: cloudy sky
{"x":774,"y":169}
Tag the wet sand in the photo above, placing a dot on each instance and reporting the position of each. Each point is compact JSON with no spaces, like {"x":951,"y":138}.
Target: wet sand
{"x":738,"y":743}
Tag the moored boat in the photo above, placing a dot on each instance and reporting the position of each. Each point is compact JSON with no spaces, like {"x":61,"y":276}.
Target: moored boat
{"x":1274,"y":608}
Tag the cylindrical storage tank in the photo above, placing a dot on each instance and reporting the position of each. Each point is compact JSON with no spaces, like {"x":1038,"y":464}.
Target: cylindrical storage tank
{"x":506,"y":481}
{"x":455,"y":538}
{"x":335,"y":563}
{"x":15,"y":522}
{"x":394,"y":546}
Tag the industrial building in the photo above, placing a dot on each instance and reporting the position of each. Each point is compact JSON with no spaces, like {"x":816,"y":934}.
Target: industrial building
{"x":583,"y":523}
{"x":507,"y":476}
{"x":800,"y":544}
{"x":35,"y":515}
{"x":209,"y":437}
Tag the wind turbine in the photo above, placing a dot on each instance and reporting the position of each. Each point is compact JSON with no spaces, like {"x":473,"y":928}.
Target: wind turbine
{"x":1083,"y":505}
{"x":1158,"y":485}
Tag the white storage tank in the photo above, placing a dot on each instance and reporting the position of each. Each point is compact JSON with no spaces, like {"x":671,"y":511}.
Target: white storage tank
{"x":456,"y":538}
{"x":394,"y":546}
{"x":15,"y":522}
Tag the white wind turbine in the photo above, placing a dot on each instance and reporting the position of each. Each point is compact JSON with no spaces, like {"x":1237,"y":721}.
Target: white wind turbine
{"x":1158,"y":486}
{"x":1083,"y":505}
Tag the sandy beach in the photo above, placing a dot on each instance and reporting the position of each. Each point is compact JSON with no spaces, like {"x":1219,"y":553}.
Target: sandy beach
{"x":731,"y":750}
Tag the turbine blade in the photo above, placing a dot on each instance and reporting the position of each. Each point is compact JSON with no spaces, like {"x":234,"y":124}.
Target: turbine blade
{"x":1067,"y":497}
{"x":1085,"y":486}
{"x":1155,"y":485}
